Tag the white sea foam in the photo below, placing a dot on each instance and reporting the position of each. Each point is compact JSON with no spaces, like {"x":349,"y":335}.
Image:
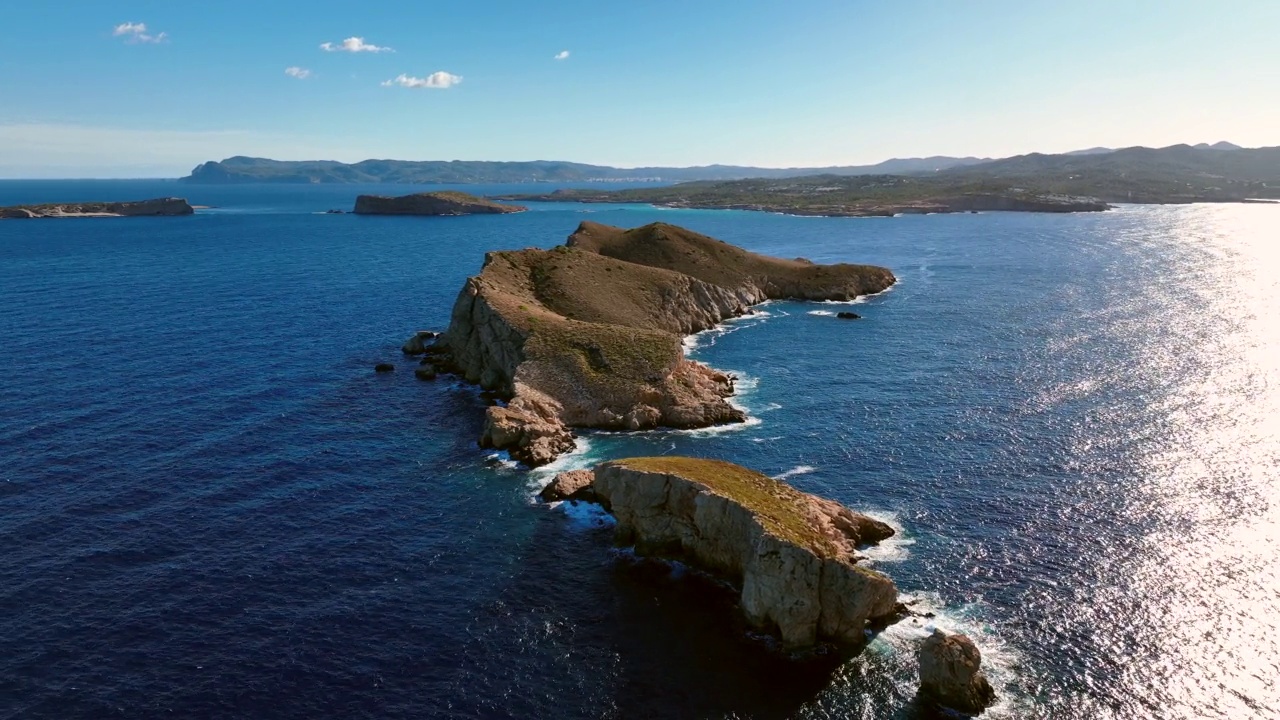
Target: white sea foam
{"x":893,"y":549}
{"x":797,"y":470}
{"x":824,"y":313}
{"x":582,"y":456}
{"x":768,"y":439}
{"x":729,"y":325}
{"x":585,"y":515}
{"x":861,"y":299}
{"x":999,"y":659}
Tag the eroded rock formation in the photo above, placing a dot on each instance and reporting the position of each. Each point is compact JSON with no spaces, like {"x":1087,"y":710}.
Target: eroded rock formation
{"x":951,"y":673}
{"x":793,"y":555}
{"x":589,"y":334}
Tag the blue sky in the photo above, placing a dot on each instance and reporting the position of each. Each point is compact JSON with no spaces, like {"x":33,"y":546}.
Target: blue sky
{"x":87,"y":93}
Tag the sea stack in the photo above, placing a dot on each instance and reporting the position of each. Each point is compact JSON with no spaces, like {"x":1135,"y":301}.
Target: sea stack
{"x":445,"y":202}
{"x":588,"y":335}
{"x":951,"y":673}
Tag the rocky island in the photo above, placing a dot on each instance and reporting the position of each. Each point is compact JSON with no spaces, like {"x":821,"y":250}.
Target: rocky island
{"x":445,"y":202}
{"x":139,"y":208}
{"x":794,"y":556}
{"x":588,"y":334}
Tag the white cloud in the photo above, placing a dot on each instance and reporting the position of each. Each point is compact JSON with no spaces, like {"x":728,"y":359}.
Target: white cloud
{"x":440,"y":80}
{"x":354,"y":45}
{"x":135,"y":33}
{"x":297,"y":72}
{"x":562,"y":55}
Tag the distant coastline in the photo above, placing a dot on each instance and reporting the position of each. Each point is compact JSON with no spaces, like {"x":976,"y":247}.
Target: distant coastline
{"x":1083,"y":181}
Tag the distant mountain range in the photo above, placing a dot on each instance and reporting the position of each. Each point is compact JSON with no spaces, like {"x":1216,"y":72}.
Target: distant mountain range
{"x":241,"y":169}
{"x":260,"y":170}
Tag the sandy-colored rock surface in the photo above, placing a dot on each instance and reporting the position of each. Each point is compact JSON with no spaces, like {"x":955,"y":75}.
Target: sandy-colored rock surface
{"x":792,"y":554}
{"x":589,"y":334}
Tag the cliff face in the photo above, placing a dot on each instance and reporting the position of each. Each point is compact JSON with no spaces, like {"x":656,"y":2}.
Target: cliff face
{"x":432,"y":203}
{"x":792,"y":554}
{"x":579,"y":337}
{"x":158,"y":206}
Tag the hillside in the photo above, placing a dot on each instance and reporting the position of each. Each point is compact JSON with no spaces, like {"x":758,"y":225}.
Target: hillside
{"x":1077,"y":182}
{"x":831,"y":195}
{"x":1180,"y":173}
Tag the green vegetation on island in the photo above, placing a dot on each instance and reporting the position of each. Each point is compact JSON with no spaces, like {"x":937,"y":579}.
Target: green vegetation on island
{"x":1034,"y":183}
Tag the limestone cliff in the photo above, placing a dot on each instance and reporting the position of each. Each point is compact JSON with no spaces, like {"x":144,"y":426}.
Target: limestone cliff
{"x":446,"y":202}
{"x":158,"y":206}
{"x":589,"y":334}
{"x":793,"y":555}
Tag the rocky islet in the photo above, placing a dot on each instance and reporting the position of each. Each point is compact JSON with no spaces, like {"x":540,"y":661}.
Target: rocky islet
{"x":589,"y":335}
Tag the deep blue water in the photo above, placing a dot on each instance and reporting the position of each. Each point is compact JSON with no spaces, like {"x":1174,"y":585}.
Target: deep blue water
{"x":210,"y":506}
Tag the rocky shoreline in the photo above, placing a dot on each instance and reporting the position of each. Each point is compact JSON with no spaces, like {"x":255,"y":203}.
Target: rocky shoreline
{"x":140,"y":208}
{"x":588,"y":334}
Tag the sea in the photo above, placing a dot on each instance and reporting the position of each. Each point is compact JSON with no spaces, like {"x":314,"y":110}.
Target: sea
{"x":211,"y":506}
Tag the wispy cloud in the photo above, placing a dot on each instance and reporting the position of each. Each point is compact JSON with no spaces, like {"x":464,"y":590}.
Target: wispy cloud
{"x":135,"y":33}
{"x":562,"y":55}
{"x":354,"y":45}
{"x":297,"y":72}
{"x":440,"y":80}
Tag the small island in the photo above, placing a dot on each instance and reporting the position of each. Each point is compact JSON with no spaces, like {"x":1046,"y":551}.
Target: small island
{"x":793,"y":558}
{"x":139,"y":208}
{"x":588,"y":334}
{"x":444,"y":202}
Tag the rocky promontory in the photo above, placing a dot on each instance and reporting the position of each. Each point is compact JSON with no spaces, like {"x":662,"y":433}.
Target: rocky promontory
{"x":445,"y":202}
{"x":794,"y":556}
{"x":139,"y":208}
{"x":588,"y":334}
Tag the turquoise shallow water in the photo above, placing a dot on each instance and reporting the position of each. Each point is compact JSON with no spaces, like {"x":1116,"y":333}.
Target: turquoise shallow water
{"x":211,"y":506}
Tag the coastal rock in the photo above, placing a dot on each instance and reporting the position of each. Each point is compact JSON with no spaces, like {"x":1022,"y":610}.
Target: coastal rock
{"x":528,"y":428}
{"x":792,"y":554}
{"x":589,"y":334}
{"x":384,"y":367}
{"x":417,"y":344}
{"x":570,"y":485}
{"x":951,"y":673}
{"x":848,"y":316}
{"x":156,"y":207}
{"x":425,"y":373}
{"x":446,"y":202}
